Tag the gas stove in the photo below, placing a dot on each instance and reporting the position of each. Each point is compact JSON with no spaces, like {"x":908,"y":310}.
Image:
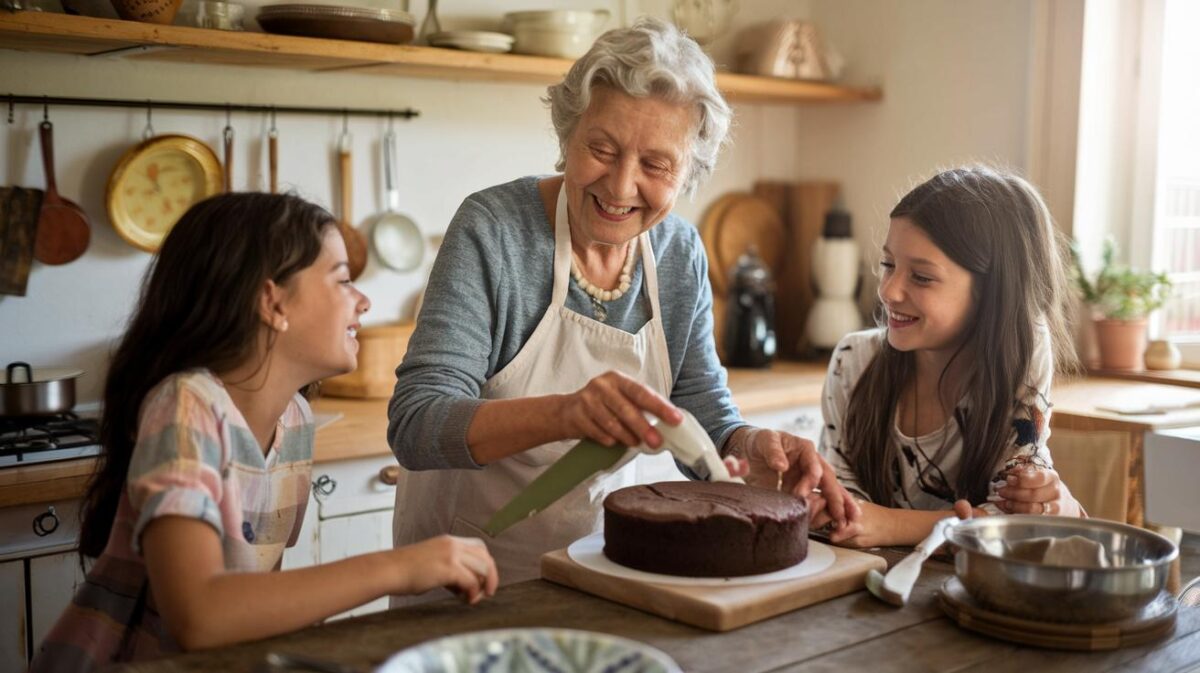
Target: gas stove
{"x":42,"y":439}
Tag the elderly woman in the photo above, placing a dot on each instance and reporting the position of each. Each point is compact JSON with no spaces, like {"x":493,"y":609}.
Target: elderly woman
{"x":570,"y":306}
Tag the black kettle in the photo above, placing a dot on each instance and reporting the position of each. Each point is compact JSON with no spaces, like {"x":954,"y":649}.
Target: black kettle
{"x":750,"y":323}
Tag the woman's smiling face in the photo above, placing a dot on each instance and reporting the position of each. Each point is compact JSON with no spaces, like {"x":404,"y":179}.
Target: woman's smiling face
{"x":927,"y":295}
{"x":626,"y":162}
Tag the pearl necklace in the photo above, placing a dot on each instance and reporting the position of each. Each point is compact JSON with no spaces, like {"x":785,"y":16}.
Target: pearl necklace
{"x":598,"y":295}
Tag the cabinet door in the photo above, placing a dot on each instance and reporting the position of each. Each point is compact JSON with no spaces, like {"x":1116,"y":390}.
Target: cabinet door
{"x":14,"y":652}
{"x":52,"y":583}
{"x":345,"y":536}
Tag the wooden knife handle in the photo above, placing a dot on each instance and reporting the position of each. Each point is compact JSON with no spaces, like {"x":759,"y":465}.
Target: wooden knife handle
{"x":46,"y":132}
{"x":273,"y":160}
{"x":228,"y":160}
{"x":344,"y":161}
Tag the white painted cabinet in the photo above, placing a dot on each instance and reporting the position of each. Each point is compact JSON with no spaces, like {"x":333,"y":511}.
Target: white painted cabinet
{"x":349,"y":513}
{"x":52,"y":583}
{"x":14,"y":650}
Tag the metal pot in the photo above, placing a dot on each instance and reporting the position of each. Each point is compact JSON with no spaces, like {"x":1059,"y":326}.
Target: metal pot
{"x":1138,"y":560}
{"x":25,"y":392}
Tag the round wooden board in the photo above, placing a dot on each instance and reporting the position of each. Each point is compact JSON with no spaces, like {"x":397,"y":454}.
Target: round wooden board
{"x":1155,"y":622}
{"x":745,"y":222}
{"x":708,"y":230}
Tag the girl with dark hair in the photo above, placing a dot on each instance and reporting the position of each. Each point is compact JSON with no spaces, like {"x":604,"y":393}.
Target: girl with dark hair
{"x":208,"y":448}
{"x":946,"y":405}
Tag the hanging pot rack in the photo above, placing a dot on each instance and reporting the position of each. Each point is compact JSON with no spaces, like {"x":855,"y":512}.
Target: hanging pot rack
{"x":13,"y":100}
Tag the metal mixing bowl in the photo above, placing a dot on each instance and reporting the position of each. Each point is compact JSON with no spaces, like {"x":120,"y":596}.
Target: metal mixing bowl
{"x":1138,"y":564}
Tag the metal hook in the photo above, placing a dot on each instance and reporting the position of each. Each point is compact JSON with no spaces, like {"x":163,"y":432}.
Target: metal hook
{"x":274,"y":131}
{"x":148,"y":132}
{"x":391,"y":119}
{"x":228,"y":115}
{"x":45,"y":108}
{"x":11,"y":108}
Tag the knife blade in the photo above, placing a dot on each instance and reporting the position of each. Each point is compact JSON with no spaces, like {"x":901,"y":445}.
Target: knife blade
{"x":576,"y":465}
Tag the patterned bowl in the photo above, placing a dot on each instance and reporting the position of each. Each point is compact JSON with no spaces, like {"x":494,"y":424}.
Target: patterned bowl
{"x":535,"y":650}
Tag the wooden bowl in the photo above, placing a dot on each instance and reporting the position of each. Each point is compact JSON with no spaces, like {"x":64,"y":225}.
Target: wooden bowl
{"x":147,"y":11}
{"x":380,"y":350}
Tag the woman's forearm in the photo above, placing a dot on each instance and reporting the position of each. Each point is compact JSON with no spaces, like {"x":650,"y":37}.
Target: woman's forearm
{"x":501,"y":428}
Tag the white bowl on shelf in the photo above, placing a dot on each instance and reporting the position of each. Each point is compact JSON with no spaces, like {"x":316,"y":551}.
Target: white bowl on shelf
{"x":560,"y":33}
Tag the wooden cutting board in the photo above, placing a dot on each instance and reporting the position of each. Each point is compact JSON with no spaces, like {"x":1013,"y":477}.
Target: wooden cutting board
{"x":717,"y":608}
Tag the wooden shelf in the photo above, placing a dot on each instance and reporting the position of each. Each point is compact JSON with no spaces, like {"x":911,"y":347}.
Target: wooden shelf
{"x":82,"y":35}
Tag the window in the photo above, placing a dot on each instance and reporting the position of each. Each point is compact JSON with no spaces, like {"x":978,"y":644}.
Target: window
{"x":1175,"y":235}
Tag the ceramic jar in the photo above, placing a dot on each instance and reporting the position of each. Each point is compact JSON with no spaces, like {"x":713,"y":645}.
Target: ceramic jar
{"x":1163,"y":355}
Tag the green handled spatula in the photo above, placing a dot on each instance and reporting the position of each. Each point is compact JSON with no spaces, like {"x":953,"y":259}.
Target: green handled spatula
{"x":580,"y":462}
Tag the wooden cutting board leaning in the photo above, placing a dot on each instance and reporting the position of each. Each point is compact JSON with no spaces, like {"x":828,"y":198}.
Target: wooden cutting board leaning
{"x":717,"y":608}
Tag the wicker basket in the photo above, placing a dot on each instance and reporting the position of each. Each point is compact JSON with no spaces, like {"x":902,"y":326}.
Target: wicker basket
{"x":380,"y":350}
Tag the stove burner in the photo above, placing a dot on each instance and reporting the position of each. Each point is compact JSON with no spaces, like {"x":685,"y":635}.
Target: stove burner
{"x":41,"y":438}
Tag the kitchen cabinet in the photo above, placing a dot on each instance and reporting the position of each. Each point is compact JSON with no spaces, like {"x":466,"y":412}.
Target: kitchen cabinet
{"x":349,"y":513}
{"x":83,"y":35}
{"x":52,"y":583}
{"x":14,"y":648}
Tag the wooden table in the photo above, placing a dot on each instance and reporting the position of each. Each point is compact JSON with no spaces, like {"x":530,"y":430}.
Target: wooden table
{"x":852,"y":633}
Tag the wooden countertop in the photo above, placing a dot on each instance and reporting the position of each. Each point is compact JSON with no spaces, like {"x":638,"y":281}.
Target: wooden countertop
{"x":361,"y":431}
{"x":851,"y":633}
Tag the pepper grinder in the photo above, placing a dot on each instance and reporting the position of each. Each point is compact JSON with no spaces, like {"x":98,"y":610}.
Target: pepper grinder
{"x":835,"y":267}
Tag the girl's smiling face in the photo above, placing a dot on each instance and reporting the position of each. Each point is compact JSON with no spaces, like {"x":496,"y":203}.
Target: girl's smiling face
{"x":323,"y":308}
{"x":928,"y":297}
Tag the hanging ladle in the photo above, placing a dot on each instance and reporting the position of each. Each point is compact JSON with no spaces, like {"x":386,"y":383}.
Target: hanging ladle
{"x":398,"y":240}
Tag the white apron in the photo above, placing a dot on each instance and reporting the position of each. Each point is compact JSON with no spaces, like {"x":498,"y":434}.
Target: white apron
{"x":565,"y":351}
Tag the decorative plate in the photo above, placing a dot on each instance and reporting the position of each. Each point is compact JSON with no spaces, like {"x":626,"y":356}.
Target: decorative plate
{"x":532,"y":651}
{"x":155,"y":182}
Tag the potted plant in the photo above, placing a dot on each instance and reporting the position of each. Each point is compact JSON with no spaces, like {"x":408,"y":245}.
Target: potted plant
{"x":1121,"y":299}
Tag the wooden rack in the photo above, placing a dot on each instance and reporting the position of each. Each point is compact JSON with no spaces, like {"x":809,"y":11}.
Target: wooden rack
{"x":82,"y":35}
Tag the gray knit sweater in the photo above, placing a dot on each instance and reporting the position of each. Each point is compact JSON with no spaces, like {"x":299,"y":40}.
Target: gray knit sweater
{"x":489,"y":288}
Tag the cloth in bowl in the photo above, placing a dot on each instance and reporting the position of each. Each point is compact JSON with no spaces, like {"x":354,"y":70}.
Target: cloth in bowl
{"x":1074,"y":551}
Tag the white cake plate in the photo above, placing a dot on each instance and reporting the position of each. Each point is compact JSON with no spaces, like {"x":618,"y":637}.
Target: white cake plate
{"x":589,"y":553}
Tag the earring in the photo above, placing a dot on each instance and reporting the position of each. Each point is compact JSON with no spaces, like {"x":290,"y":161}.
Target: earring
{"x":283,"y":326}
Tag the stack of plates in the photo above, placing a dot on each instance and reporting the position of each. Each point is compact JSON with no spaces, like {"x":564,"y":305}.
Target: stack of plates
{"x":337,"y":22}
{"x":473,"y":40}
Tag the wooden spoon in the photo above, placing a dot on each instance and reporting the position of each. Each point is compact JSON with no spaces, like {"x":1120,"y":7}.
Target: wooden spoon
{"x":356,"y":244}
{"x":62,"y":231}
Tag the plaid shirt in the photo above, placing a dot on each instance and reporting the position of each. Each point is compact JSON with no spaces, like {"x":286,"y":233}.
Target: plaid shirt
{"x":195,"y":457}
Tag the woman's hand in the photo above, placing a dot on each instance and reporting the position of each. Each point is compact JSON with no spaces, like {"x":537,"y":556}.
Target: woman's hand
{"x":460,"y":564}
{"x":1037,"y":490}
{"x":609,"y":409}
{"x":873,"y":528}
{"x":770,"y":455}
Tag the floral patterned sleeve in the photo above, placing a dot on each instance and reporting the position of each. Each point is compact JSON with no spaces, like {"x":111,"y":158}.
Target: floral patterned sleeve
{"x":844,"y":368}
{"x":1031,"y":420}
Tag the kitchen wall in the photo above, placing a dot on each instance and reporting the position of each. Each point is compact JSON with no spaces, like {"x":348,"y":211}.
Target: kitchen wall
{"x":956,"y":78}
{"x":954,"y":75}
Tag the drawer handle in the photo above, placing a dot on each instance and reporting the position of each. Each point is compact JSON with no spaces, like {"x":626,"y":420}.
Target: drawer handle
{"x":46,"y":522}
{"x":389,"y":474}
{"x":324,"y":485}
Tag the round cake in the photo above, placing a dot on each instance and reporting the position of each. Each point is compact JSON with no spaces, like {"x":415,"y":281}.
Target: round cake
{"x":704,"y":529}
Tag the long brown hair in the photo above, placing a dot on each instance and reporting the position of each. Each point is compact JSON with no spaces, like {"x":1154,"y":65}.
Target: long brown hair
{"x":198,"y":308}
{"x":996,"y":226}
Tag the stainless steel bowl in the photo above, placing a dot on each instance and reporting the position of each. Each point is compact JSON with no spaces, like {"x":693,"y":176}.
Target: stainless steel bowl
{"x":1138,"y":564}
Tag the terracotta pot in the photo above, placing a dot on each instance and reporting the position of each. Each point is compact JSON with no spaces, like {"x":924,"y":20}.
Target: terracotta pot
{"x":147,"y":11}
{"x":1122,"y":343}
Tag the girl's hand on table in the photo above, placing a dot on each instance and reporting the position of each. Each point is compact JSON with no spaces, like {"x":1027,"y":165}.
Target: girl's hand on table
{"x":1037,"y":490}
{"x":460,"y":564}
{"x":609,"y":410}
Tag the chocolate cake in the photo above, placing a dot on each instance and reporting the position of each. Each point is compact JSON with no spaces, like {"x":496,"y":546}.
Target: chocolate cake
{"x":704,"y":529}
